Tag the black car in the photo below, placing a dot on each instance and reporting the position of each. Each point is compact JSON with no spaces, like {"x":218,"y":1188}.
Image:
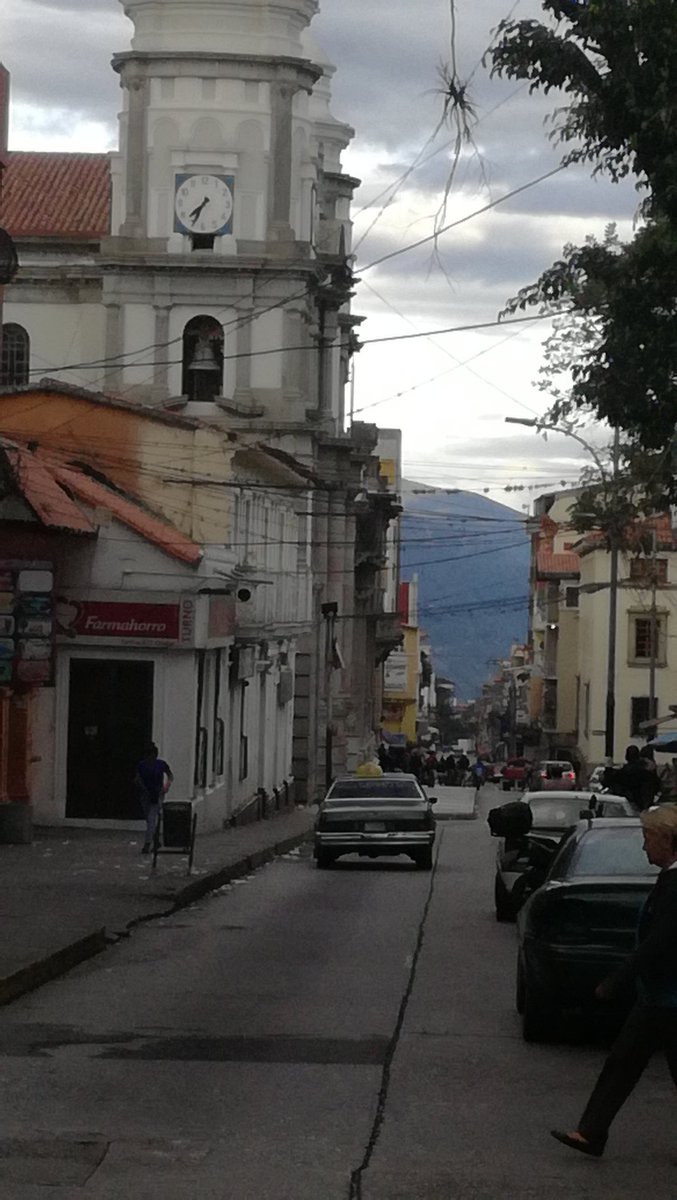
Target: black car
{"x":553,"y":814}
{"x":581,"y":922}
{"x":385,"y":815}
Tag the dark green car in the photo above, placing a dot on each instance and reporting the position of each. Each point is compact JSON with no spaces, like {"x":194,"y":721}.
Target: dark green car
{"x":581,"y":922}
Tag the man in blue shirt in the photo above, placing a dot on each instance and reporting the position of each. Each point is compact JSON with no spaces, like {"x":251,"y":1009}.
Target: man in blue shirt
{"x":652,"y":1024}
{"x":152,"y":780}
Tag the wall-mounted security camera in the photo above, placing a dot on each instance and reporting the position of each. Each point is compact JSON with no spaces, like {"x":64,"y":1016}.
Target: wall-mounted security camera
{"x":244,"y":594}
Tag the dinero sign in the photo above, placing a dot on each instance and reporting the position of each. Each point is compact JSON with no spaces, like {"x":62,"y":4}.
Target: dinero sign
{"x":109,"y":619}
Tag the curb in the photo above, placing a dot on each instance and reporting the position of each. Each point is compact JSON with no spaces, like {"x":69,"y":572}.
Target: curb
{"x":52,"y":966}
{"x":45,"y":969}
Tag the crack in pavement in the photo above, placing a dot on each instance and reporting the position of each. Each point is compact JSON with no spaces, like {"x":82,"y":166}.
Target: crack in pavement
{"x":357,"y":1176}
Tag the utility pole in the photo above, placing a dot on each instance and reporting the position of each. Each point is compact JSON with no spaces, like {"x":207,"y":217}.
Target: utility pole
{"x":329,"y":612}
{"x":654,"y":635}
{"x":614,"y":546}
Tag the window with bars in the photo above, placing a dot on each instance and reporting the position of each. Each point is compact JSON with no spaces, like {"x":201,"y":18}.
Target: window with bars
{"x":644,"y":570}
{"x":646,"y":643}
{"x":641,"y":710}
{"x":16,"y":352}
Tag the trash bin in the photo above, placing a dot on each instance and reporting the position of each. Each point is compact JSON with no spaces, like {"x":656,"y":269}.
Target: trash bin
{"x":177,"y":824}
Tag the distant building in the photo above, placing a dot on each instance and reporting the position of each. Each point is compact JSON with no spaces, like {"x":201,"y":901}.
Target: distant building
{"x":570,"y":632}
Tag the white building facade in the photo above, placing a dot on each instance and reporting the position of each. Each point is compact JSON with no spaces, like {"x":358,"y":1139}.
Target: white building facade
{"x":213,"y":278}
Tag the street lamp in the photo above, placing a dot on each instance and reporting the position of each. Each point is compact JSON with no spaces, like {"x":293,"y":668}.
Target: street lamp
{"x":534,"y":423}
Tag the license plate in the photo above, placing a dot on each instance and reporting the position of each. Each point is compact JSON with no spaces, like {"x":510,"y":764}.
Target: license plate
{"x":374,"y":827}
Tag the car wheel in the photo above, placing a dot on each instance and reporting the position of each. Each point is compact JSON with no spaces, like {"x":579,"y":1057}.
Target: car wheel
{"x":324,"y":859}
{"x":502,"y":901}
{"x":424,"y":859}
{"x":538,"y":1016}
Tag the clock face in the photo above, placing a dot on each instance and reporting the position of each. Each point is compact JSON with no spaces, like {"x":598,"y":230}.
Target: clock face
{"x":204,"y":204}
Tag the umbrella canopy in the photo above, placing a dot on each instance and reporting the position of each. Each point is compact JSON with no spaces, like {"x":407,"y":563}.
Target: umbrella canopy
{"x":667,"y":742}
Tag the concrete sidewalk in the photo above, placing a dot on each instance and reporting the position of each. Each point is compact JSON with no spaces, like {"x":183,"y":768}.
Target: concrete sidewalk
{"x":66,"y":896}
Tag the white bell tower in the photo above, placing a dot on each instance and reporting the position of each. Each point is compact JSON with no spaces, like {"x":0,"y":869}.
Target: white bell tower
{"x":269,"y":27}
{"x":230,"y":215}
{"x":218,"y":90}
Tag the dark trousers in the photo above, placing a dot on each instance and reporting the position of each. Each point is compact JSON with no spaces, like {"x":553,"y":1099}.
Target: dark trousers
{"x":646,"y":1030}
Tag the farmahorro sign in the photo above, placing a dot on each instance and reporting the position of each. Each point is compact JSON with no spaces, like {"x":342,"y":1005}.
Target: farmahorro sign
{"x":110,"y":619}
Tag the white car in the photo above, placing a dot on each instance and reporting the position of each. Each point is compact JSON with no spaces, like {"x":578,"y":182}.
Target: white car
{"x":389,"y":814}
{"x":596,"y":780}
{"x":553,"y":814}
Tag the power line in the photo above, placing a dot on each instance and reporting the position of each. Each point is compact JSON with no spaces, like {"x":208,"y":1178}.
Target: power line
{"x":462,"y":220}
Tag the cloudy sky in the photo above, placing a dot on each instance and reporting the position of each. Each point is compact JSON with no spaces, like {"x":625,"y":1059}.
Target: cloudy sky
{"x":388,"y":54}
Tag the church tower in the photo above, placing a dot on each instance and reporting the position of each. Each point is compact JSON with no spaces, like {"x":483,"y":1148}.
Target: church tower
{"x":230,"y":229}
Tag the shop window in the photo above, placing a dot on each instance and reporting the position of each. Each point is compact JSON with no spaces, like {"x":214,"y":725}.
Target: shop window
{"x":16,"y":348}
{"x":244,"y":740}
{"x":571,"y":597}
{"x":200,"y":775}
{"x":202,"y":377}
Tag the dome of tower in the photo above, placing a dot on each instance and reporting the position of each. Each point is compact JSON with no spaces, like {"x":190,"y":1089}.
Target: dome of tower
{"x":268,"y":27}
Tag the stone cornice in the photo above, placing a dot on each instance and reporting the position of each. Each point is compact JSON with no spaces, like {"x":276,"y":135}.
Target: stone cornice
{"x":133,"y":65}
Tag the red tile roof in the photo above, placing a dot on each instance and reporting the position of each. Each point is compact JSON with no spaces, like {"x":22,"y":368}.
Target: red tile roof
{"x":167,"y":537}
{"x":52,"y":487}
{"x":36,"y":483}
{"x":566,"y":564}
{"x":56,"y":195}
{"x":636,"y":536}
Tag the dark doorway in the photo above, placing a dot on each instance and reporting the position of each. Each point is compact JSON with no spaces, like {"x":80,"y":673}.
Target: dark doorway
{"x":110,"y":720}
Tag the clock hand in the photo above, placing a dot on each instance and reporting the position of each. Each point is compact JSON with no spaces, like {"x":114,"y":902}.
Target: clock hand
{"x":197,"y":211}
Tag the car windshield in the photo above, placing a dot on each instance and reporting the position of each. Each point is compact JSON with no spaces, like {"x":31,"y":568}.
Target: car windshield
{"x":375,"y":789}
{"x":611,"y":852}
{"x":614,"y":808}
{"x":556,"y":813}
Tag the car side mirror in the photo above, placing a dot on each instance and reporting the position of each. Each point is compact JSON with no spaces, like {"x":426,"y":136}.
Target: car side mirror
{"x":586,"y":814}
{"x":432,"y":799}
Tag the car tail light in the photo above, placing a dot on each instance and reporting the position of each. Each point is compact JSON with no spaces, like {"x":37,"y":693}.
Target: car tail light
{"x":569,"y":775}
{"x":544,"y":774}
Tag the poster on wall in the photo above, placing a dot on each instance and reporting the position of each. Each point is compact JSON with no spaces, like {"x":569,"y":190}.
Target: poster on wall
{"x":26,"y":623}
{"x":395,"y":672}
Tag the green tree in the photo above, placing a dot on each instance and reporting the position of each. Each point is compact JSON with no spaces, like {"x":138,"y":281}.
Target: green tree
{"x":616,"y":62}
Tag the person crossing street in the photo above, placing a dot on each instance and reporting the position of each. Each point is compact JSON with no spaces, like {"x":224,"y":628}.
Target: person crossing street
{"x":652,"y":1023}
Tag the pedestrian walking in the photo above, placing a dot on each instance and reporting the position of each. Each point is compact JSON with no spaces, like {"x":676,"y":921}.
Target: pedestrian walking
{"x":478,"y":771}
{"x":652,"y":1023}
{"x":152,"y":779}
{"x":633,"y":780}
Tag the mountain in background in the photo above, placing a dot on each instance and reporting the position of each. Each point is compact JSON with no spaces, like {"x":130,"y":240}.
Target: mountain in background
{"x":471,"y":556}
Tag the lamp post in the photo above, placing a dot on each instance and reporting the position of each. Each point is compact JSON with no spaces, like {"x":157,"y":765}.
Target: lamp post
{"x":614,"y":548}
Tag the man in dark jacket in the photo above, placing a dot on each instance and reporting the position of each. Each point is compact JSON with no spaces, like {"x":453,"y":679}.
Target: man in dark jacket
{"x":635,"y":780}
{"x":652,"y":1024}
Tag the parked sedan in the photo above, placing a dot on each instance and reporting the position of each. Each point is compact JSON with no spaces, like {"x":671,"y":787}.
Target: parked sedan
{"x":553,"y":775}
{"x":388,"y":815}
{"x":581,"y":923}
{"x":553,"y":814}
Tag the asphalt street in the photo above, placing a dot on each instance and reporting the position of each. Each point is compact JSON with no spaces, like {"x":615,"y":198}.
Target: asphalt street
{"x":314,"y":1035}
